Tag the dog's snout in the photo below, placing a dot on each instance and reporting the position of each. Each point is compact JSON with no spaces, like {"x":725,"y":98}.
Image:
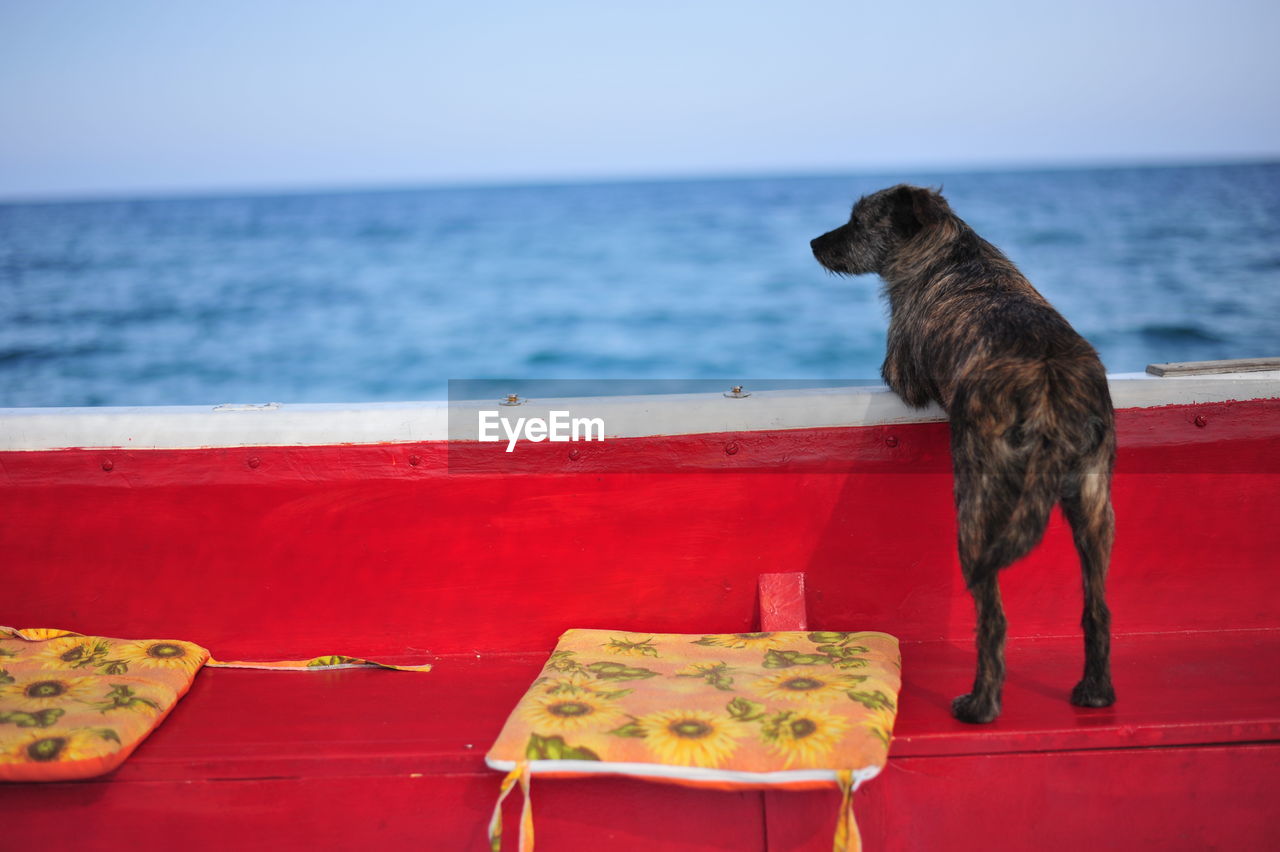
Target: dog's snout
{"x":826,"y":247}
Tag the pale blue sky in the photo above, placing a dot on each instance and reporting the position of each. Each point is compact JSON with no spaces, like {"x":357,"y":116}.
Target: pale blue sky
{"x":114,"y":98}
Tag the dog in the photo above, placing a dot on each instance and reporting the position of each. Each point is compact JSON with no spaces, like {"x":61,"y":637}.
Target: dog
{"x":1032,"y":424}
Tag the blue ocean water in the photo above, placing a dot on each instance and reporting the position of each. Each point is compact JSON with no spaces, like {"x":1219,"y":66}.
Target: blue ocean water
{"x":368,"y":296}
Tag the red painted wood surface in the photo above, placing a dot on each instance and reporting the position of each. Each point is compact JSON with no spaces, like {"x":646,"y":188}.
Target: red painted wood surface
{"x":327,"y":812}
{"x":351,"y":549}
{"x":353,"y":545}
{"x":1115,"y":800}
{"x":1166,"y":799}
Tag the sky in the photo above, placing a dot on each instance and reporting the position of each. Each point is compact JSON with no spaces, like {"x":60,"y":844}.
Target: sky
{"x":129,"y":97}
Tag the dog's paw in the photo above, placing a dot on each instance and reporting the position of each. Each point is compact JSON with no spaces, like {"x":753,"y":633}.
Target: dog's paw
{"x":974,"y":709}
{"x":1093,"y":694}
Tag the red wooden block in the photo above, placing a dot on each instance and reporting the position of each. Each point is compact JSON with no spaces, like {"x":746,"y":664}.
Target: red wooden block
{"x":782,"y":602}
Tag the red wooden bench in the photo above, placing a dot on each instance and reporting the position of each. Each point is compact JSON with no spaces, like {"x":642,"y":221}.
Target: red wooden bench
{"x":292,"y":548}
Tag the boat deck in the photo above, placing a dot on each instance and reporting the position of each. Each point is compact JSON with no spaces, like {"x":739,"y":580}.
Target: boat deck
{"x":1199,"y":702}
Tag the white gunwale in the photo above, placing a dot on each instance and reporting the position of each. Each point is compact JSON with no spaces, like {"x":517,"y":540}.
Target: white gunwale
{"x":196,"y":426}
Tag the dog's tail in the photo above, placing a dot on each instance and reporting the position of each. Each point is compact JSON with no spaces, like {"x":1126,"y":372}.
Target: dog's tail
{"x":1021,"y":430}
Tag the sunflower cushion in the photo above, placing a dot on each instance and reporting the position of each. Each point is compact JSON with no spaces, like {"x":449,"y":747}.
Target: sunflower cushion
{"x":762,"y":710}
{"x":75,"y":706}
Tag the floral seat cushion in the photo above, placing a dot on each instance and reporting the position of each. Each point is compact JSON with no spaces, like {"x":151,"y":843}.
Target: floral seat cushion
{"x":763,"y":710}
{"x":76,"y":706}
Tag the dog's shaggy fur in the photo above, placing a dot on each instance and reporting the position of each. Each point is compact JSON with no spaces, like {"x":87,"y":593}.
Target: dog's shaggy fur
{"x":1031,"y":418}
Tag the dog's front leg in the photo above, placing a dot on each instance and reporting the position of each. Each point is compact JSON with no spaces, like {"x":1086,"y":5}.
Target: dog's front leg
{"x":983,"y":703}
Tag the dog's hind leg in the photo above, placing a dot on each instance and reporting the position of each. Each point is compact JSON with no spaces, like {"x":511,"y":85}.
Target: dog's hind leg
{"x":983,"y":703}
{"x":979,"y":514}
{"x":1004,"y":494}
{"x":1088,"y":510}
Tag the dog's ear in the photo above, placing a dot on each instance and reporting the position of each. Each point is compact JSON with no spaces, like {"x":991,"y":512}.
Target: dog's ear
{"x":915,"y":208}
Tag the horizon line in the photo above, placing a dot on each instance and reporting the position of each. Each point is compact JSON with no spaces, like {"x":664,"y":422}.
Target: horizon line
{"x":197,"y":193}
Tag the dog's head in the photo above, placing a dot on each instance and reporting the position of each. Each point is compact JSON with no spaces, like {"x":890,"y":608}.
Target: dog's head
{"x":880,"y":224}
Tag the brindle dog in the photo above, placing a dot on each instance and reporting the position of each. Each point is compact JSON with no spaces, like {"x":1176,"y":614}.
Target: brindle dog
{"x":1031,"y":417}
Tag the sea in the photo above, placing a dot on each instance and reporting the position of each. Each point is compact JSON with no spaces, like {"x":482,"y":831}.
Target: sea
{"x":387,"y":295}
